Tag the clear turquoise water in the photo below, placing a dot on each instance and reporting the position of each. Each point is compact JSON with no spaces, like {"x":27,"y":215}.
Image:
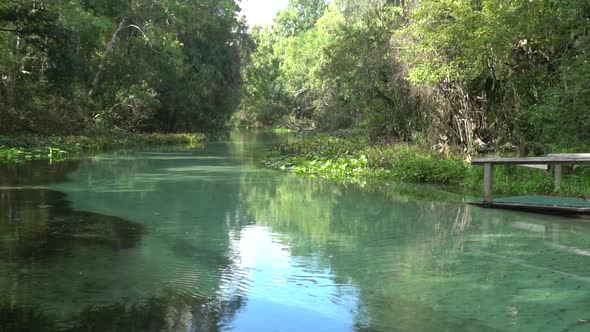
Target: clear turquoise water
{"x":207,"y":240}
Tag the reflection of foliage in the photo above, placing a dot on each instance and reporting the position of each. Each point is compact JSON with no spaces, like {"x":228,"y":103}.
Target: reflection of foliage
{"x":168,"y":314}
{"x":357,"y":233}
{"x":42,"y":223}
{"x":172,"y":313}
{"x":423,"y":264}
{"x":324,"y":211}
{"x":35,"y":173}
{"x":17,"y":319}
{"x":105,"y":261}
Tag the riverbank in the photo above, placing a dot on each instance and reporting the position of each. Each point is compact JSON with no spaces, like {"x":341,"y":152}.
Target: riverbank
{"x":57,"y":148}
{"x":357,"y":160}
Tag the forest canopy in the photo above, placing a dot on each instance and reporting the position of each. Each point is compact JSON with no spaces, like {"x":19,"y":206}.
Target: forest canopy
{"x":135,"y":65}
{"x":476,"y":74}
{"x":480,"y":75}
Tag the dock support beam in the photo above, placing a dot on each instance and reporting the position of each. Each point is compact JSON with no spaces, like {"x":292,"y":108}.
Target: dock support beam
{"x":558,"y":170}
{"x":488,"y":184}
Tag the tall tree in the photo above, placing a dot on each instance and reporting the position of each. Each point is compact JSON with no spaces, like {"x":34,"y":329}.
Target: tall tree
{"x":135,"y":65}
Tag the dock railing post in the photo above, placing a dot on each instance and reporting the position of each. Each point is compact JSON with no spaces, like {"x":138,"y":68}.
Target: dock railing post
{"x":488,"y":184}
{"x":558,"y":170}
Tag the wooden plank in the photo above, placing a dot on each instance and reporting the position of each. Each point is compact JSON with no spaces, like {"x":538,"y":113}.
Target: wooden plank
{"x":569,"y":155}
{"x":558,"y":170}
{"x":543,"y":167}
{"x":541,"y":208}
{"x":529,"y":226}
{"x":532,"y":160}
{"x":544,"y":209}
{"x":488,"y":184}
{"x":546,"y":200}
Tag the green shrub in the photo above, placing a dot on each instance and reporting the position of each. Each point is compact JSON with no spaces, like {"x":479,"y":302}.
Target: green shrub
{"x":354,"y":159}
{"x":20,"y":149}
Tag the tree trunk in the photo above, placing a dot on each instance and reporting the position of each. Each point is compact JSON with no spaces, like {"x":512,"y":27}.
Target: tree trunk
{"x":105,"y":57}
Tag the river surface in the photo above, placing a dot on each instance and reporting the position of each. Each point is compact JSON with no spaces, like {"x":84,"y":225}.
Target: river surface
{"x":208,"y":240}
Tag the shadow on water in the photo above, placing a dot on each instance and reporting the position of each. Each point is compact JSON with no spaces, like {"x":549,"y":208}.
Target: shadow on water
{"x":17,"y":319}
{"x":35,"y":173}
{"x":67,"y":269}
{"x":35,"y":223}
{"x":164,"y":314}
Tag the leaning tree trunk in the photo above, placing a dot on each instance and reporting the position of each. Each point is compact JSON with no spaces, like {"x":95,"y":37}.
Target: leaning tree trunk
{"x":105,"y":57}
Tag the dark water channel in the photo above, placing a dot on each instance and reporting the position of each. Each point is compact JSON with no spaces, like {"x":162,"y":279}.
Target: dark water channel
{"x":207,"y":240}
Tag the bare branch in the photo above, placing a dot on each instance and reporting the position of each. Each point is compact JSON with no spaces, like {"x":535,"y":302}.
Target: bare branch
{"x":144,"y":36}
{"x":108,"y":50}
{"x":138,"y":28}
{"x":10,"y":30}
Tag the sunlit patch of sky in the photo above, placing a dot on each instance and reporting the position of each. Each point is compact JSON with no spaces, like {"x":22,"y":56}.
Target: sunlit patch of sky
{"x":261,"y":12}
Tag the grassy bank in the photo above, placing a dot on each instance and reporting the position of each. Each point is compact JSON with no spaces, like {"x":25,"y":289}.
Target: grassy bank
{"x":357,"y":160}
{"x":23,"y":148}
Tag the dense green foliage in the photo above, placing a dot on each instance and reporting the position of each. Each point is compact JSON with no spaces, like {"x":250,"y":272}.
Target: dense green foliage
{"x":67,"y":66}
{"x":358,"y":161}
{"x":485,"y":75}
{"x":57,"y":148}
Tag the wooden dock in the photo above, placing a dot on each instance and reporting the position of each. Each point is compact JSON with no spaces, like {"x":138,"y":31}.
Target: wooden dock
{"x":541,"y":204}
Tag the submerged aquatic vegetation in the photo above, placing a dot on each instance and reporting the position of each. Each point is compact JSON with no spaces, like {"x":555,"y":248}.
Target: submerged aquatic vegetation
{"x":58,"y":148}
